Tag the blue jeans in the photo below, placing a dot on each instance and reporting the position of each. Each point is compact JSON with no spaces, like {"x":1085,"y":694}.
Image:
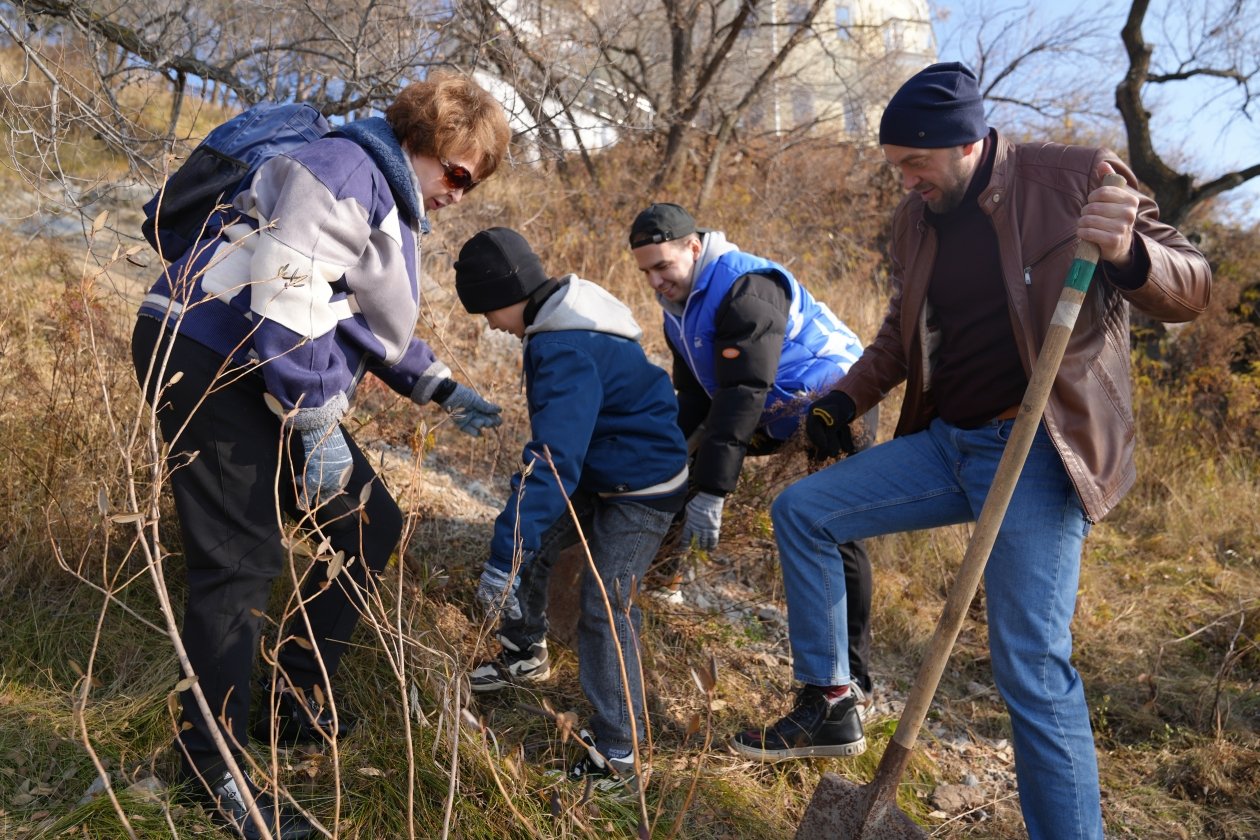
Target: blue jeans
{"x":623,"y":537}
{"x":940,"y":476}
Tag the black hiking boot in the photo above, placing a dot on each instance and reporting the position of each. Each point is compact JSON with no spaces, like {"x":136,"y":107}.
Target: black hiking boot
{"x":814,"y":727}
{"x":301,"y":720}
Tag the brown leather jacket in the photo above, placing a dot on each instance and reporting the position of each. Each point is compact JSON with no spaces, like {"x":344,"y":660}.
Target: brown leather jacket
{"x":1034,"y":199}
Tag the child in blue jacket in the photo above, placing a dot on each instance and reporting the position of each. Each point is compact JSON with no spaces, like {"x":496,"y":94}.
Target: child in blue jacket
{"x":606,"y":419}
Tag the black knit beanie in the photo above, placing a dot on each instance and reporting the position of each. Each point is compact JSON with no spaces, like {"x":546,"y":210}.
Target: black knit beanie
{"x":495,"y":269}
{"x":940,"y":106}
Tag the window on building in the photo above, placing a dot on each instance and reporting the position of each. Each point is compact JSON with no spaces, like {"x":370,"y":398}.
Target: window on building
{"x":894,"y":36}
{"x":844,"y":19}
{"x":752,"y":23}
{"x":854,"y":118}
{"x":802,"y":105}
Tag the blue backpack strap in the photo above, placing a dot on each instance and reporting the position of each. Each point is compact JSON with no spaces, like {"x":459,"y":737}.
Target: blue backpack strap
{"x":194,"y":203}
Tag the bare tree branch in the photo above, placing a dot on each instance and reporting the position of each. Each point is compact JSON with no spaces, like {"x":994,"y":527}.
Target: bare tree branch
{"x":133,"y":42}
{"x":799,"y":33}
{"x":98,"y":71}
{"x":1225,"y":73}
{"x":1175,"y":191}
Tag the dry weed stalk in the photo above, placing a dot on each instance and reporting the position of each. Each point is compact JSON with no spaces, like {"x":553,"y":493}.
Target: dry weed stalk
{"x":1234,"y":653}
{"x":141,"y":451}
{"x":611,"y":617}
{"x":706,"y":680}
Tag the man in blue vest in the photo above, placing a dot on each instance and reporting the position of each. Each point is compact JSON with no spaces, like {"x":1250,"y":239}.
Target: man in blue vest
{"x":750,"y":343}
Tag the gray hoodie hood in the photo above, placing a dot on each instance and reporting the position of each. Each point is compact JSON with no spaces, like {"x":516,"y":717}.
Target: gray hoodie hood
{"x":713,"y":244}
{"x":582,"y":305}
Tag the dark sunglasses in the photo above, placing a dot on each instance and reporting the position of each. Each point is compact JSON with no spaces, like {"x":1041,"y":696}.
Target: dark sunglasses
{"x":457,"y":177}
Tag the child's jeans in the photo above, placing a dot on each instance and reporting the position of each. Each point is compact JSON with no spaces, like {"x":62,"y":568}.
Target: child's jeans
{"x":623,"y":537}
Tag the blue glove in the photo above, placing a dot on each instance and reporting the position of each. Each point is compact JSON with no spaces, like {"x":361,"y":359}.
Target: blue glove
{"x":496,"y":592}
{"x":704,"y":521}
{"x":328,"y":465}
{"x":470,"y":412}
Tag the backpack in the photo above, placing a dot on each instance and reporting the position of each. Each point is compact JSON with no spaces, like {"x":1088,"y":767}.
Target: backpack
{"x":195,"y":202}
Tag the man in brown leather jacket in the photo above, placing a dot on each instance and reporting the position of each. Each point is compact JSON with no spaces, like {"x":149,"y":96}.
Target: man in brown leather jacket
{"x":980,"y":249}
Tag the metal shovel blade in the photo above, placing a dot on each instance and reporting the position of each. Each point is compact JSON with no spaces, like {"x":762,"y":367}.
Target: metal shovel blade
{"x":842,"y":810}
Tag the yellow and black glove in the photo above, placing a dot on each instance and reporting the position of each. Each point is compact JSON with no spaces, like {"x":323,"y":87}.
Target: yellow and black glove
{"x":827,"y":426}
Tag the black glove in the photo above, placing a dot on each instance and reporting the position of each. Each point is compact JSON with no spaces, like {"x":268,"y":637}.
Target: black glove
{"x":827,"y":426}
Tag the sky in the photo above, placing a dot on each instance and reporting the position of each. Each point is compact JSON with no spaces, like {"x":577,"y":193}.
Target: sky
{"x":1192,"y":120}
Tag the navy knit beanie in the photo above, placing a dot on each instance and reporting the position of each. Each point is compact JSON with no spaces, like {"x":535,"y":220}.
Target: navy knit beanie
{"x":939,"y":106}
{"x":497,"y":268}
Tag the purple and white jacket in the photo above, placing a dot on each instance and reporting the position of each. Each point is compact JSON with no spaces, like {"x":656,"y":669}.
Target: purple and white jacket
{"x":319,"y":281}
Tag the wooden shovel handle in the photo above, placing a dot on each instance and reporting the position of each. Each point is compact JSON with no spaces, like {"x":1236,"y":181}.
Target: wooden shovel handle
{"x":985,"y":534}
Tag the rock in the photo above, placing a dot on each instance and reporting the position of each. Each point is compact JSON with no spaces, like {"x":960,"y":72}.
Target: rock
{"x":54,"y":227}
{"x":768,"y":659}
{"x":770,"y":615}
{"x":956,"y":799}
{"x":94,"y":790}
{"x":121,"y":194}
{"x":149,"y":789}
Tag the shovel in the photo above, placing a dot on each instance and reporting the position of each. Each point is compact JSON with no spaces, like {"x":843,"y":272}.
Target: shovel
{"x":842,"y":810}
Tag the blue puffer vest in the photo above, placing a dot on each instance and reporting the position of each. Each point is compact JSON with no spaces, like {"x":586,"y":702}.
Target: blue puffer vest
{"x":817,"y":347}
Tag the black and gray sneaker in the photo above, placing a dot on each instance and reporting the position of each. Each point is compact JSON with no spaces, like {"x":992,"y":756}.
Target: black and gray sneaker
{"x":513,"y":666}
{"x":814,"y":727}
{"x":226,"y":807}
{"x":610,"y":775}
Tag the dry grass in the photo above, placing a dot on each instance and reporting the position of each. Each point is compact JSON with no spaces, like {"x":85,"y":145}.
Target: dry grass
{"x":1167,"y":625}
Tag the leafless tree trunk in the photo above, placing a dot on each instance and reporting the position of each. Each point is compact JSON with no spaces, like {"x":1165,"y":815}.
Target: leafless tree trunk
{"x":729,"y":119}
{"x":1041,"y":75}
{"x":1215,"y":54}
{"x":685,"y":95}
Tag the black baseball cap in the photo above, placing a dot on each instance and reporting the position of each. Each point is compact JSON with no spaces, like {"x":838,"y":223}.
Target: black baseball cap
{"x":662,"y":222}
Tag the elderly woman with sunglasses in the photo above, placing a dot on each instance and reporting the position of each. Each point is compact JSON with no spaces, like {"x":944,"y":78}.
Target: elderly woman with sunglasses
{"x":250,"y":348}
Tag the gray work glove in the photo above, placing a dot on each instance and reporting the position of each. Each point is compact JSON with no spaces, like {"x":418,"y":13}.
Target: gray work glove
{"x":496,"y":592}
{"x":469,"y":411}
{"x":704,"y":521}
{"x":327,"y":468}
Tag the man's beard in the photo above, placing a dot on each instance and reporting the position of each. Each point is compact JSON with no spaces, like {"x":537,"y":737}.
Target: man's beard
{"x":948,"y":200}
